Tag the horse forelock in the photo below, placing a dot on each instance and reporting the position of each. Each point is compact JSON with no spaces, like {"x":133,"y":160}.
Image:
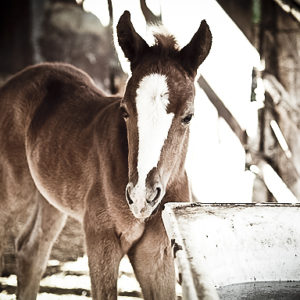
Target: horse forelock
{"x":161,"y":42}
{"x":165,"y":43}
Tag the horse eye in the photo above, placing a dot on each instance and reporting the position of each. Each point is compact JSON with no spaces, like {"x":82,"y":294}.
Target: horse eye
{"x":124,"y":112}
{"x":187,"y":119}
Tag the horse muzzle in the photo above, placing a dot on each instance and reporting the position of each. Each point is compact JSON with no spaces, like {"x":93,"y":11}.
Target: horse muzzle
{"x":143,"y":200}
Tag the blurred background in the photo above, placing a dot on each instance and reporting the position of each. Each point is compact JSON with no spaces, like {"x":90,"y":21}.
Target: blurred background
{"x":244,"y":144}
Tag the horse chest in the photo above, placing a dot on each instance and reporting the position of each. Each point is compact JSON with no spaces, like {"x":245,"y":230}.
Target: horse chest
{"x":131,"y":235}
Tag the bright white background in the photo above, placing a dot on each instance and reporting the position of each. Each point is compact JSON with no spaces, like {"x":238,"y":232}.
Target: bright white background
{"x":216,"y":160}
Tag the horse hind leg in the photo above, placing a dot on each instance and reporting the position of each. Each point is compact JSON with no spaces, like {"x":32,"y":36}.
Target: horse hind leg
{"x":34,"y":245}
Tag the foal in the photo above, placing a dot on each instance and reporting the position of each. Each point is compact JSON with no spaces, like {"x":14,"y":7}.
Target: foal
{"x":68,"y":149}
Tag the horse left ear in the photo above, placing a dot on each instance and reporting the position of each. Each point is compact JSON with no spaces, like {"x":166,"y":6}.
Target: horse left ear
{"x":129,"y":40}
{"x":195,"y":52}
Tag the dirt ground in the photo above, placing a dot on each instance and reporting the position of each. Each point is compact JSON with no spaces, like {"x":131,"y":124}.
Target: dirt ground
{"x":70,"y":281}
{"x":67,"y":275}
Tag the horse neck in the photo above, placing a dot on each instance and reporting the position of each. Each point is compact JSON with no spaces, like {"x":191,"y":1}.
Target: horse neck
{"x":179,"y":169}
{"x":110,"y":140}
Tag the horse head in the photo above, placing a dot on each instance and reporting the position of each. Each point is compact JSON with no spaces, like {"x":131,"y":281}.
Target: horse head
{"x":157,"y":107}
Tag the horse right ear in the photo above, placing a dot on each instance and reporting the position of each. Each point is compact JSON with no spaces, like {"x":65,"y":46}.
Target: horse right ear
{"x":129,"y":40}
{"x":195,"y":52}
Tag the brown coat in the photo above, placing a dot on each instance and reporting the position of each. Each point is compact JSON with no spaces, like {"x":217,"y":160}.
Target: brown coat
{"x":64,"y":151}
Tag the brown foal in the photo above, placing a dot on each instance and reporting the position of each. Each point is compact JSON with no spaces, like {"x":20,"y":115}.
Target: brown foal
{"x":67,"y":149}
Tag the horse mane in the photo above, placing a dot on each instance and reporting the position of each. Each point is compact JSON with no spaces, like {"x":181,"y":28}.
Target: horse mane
{"x":165,"y":44}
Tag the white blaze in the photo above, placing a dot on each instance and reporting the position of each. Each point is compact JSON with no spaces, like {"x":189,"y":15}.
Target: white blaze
{"x":153,"y":123}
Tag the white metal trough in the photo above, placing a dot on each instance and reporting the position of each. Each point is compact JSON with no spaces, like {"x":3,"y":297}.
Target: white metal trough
{"x":236,"y":251}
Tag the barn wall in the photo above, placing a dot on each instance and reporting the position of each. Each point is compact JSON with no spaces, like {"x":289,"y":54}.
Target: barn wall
{"x":276,"y":35}
{"x":280,"y":47}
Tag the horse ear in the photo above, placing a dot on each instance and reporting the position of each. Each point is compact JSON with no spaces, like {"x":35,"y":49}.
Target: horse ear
{"x":195,"y":52}
{"x":129,"y":40}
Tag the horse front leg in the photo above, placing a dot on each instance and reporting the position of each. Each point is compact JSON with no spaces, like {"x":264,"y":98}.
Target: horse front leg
{"x":153,"y":264}
{"x":104,"y":256}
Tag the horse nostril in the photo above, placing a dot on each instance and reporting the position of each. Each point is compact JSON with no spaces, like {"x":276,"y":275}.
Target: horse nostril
{"x":153,"y":201}
{"x":158,"y":191}
{"x":129,"y":200}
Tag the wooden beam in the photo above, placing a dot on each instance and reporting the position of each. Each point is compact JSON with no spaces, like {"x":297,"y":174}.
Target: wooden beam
{"x":150,"y":17}
{"x":275,"y":184}
{"x":223,"y":111}
{"x":286,"y":110}
{"x":273,"y":181}
{"x":290,"y":7}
